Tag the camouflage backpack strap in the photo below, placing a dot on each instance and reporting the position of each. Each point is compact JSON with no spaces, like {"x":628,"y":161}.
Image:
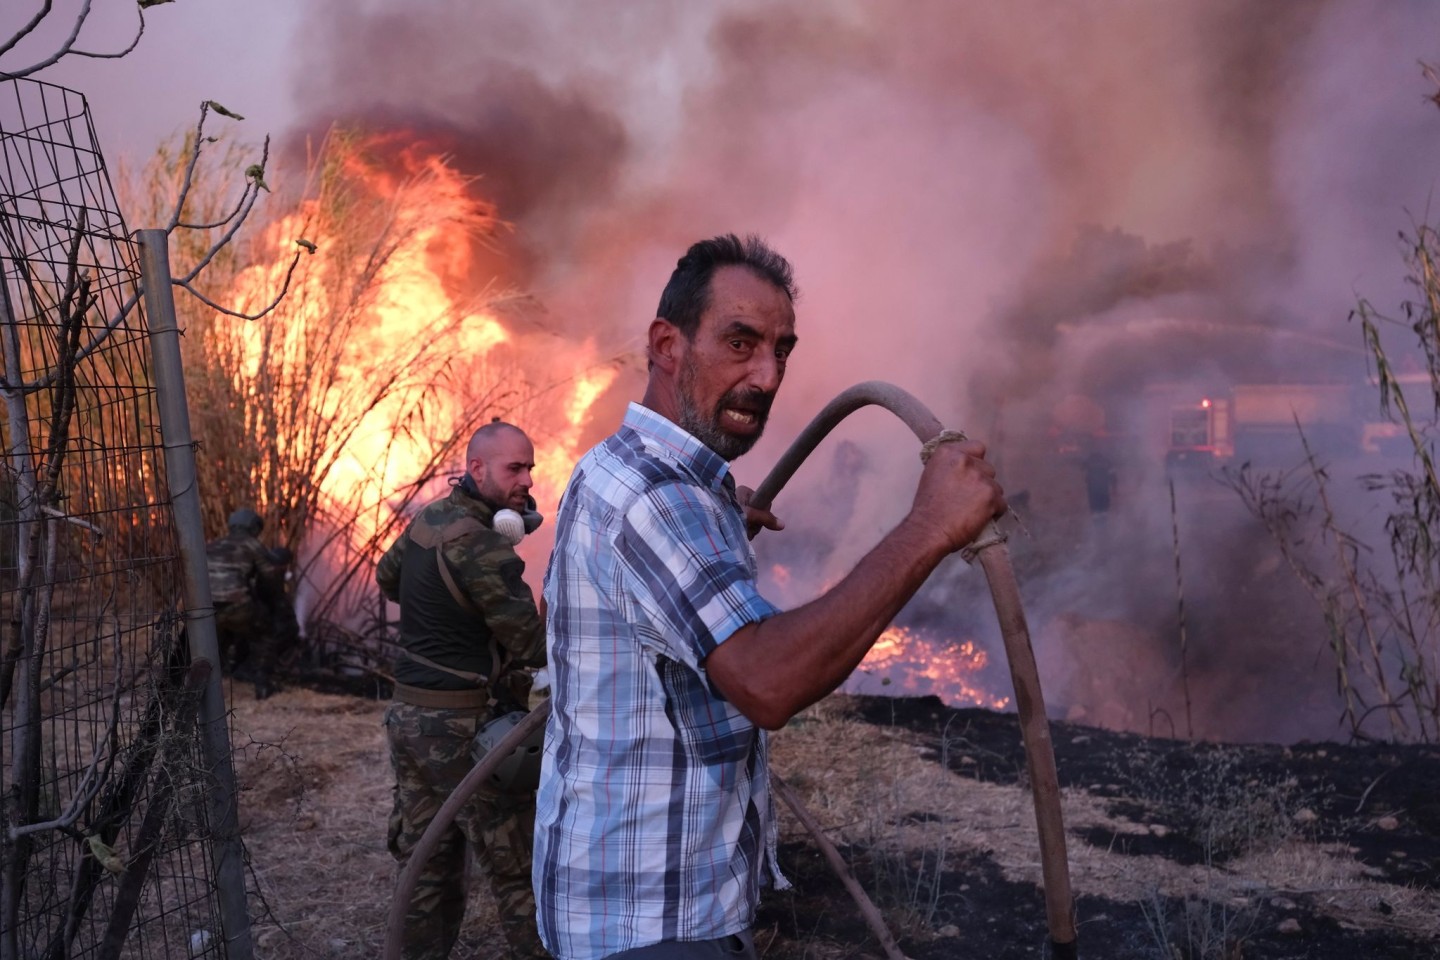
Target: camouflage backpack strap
{"x":435,"y":538}
{"x":499,"y":657}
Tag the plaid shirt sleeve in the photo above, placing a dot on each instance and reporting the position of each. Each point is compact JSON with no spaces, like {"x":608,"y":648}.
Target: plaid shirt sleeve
{"x":690,"y":569}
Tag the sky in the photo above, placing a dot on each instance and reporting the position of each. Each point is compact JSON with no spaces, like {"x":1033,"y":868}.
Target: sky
{"x":1012,"y":210}
{"x":241,"y":54}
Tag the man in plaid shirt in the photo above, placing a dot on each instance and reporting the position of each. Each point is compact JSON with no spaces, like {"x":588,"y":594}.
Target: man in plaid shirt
{"x":654,"y":825}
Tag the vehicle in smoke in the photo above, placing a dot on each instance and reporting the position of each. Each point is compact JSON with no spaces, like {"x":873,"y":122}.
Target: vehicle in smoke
{"x":1263,"y":424}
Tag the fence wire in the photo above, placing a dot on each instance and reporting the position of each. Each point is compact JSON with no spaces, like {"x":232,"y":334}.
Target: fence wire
{"x":106,"y":847}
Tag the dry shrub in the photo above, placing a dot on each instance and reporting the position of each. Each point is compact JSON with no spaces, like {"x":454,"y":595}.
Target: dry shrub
{"x":1197,"y":928}
{"x":1201,"y":791}
{"x":1379,"y":605}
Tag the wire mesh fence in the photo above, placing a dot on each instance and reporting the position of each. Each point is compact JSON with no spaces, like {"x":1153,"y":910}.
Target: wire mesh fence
{"x":107,"y":847}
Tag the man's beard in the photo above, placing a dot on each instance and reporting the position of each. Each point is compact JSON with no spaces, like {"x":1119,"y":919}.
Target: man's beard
{"x":706,"y":428}
{"x":491,"y":492}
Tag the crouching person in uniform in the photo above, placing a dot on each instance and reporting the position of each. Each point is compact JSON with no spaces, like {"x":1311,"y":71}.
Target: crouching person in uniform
{"x":469,"y":629}
{"x":241,"y":580}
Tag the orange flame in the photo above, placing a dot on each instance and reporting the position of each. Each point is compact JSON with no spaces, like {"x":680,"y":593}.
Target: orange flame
{"x":555,"y":459}
{"x":414,"y":316}
{"x":905,"y":661}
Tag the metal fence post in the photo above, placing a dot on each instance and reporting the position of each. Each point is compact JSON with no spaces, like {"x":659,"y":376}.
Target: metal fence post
{"x":179,"y":447}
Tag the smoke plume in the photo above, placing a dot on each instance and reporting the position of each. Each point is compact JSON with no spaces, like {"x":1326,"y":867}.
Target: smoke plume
{"x":1042,"y":219}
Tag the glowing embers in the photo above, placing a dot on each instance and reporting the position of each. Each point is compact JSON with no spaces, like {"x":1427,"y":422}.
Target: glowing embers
{"x":909,"y":663}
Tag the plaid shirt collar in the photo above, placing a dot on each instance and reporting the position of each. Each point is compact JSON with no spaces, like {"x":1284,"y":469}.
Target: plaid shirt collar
{"x":668,"y":440}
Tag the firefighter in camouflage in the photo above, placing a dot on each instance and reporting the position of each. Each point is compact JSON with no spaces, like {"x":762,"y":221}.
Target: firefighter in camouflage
{"x":242,"y":579}
{"x":469,"y":629}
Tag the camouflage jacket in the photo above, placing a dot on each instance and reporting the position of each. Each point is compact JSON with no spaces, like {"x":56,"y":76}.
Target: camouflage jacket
{"x":486,"y":571}
{"x":240,"y":569}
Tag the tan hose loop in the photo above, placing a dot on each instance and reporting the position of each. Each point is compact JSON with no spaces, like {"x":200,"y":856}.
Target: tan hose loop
{"x":991,"y":535}
{"x":944,"y":436}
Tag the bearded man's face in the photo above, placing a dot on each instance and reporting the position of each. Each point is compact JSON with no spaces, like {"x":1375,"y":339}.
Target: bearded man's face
{"x":735,"y":362}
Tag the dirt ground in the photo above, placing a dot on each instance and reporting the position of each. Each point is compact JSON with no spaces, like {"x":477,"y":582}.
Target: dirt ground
{"x":1316,"y":851}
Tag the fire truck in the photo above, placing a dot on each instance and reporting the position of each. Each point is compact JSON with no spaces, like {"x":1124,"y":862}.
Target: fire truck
{"x":1263,"y":423}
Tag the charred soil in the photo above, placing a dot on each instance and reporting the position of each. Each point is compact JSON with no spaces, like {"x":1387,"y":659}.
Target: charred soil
{"x":1176,"y":850}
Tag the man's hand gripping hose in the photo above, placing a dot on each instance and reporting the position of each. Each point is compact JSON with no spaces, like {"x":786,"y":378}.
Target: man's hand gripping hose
{"x":989,"y":548}
{"x":994,"y":558}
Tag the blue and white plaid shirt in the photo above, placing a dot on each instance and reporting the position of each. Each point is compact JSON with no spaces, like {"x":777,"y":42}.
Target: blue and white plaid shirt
{"x":653,"y":820}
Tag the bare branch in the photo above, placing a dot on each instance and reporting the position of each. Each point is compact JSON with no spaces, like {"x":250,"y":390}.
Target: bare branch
{"x":65,"y":48}
{"x":284,"y":289}
{"x":251,"y":194}
{"x":98,"y":338}
{"x":239,"y":205}
{"x":135,"y":42}
{"x":51,"y":511}
{"x":26,"y":30}
{"x":189,"y":176}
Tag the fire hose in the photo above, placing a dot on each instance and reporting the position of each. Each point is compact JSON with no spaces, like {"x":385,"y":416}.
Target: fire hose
{"x":994,"y":558}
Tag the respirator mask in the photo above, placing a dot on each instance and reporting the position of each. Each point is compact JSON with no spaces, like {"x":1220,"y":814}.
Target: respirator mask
{"x":510,"y":524}
{"x":513,"y":525}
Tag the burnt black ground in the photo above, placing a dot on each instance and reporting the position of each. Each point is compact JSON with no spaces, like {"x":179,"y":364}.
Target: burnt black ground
{"x":1382,"y":800}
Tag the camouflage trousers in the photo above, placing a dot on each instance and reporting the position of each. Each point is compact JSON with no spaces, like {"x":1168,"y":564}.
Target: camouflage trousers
{"x":246,"y":636}
{"x":430,"y":755}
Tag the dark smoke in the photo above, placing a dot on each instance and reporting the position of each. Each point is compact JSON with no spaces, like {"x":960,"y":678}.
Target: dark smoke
{"x":1032,"y":215}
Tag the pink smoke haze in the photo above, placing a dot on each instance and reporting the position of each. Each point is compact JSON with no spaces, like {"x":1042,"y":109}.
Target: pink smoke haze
{"x":1047,"y":220}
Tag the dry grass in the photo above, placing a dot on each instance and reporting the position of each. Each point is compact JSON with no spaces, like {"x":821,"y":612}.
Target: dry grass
{"x":865,"y":783}
{"x":316,"y":793}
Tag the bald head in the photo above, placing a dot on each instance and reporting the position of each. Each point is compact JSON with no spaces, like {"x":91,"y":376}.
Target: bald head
{"x":499,"y":458}
{"x":483,"y":440}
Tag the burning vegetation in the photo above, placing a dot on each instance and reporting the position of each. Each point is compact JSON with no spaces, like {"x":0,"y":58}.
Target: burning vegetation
{"x":1064,"y":261}
{"x":344,"y":406}
{"x":1129,"y":288}
{"x":348,"y":403}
